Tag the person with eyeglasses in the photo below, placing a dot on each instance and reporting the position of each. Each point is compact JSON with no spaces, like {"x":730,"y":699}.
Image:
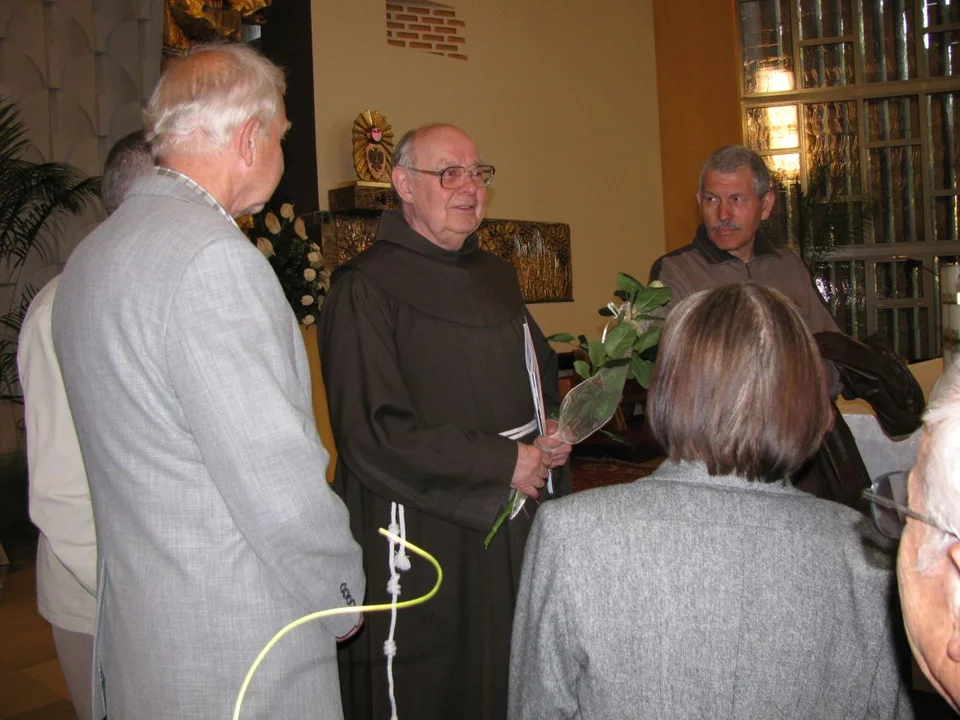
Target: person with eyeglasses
{"x":922,"y":509}
{"x":713,"y":588}
{"x":422,"y":349}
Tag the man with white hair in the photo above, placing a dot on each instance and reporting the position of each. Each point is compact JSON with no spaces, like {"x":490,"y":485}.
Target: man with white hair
{"x":928,"y":566}
{"x":190,"y":390}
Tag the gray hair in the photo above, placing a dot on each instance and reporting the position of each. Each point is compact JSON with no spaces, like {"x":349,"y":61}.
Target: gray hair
{"x":404,"y":152}
{"x":128,"y":159}
{"x":730,"y":158}
{"x":938,"y":468}
{"x":202,"y":99}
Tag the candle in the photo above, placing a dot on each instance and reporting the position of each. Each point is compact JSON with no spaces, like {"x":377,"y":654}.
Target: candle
{"x":950,"y":318}
{"x":950,"y":283}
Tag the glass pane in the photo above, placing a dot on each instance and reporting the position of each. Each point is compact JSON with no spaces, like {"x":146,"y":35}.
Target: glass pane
{"x":832,"y":209}
{"x":758,"y":130}
{"x":824,"y":19}
{"x":944,"y":129}
{"x":908,"y":331}
{"x":893,"y":118}
{"x":831,"y":135}
{"x":843,"y":286}
{"x":895,"y":194}
{"x":766,"y":42}
{"x":940,"y":12}
{"x":782,"y":227}
{"x":887,"y":40}
{"x":773,"y":128}
{"x":942,"y":53}
{"x":946,"y":212}
{"x":827,"y":65}
{"x":835,"y":219}
{"x":784,"y":166}
{"x":898,"y":280}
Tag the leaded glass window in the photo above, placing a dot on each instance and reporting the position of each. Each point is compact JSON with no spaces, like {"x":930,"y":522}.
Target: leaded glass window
{"x":854,"y":106}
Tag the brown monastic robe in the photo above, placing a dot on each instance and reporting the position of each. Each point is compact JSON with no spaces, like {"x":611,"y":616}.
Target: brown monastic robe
{"x":423,"y":362}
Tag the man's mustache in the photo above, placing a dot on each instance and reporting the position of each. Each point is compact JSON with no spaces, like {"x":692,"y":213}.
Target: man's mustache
{"x":726,"y":225}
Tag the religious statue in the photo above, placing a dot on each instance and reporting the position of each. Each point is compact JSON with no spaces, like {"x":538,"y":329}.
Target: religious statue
{"x":189,"y":22}
{"x":372,"y":147}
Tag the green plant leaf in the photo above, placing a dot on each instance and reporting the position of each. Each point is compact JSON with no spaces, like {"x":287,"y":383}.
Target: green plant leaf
{"x":641,"y":370}
{"x":651,"y":298}
{"x":649,"y":338}
{"x":622,"y":294}
{"x":582,"y":339}
{"x":628,"y":283}
{"x":619,"y":340}
{"x":597,"y":353}
{"x":560,"y":337}
{"x":581,"y":368}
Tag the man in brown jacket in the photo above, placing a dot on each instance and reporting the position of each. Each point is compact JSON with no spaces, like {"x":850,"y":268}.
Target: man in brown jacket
{"x":735,"y":197}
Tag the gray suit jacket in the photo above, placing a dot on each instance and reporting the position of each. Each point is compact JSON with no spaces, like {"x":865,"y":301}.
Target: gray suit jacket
{"x":688,"y":596}
{"x":190,"y":390}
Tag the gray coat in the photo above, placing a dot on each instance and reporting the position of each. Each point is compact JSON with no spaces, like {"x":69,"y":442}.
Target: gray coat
{"x":189,"y":386}
{"x":689,"y":596}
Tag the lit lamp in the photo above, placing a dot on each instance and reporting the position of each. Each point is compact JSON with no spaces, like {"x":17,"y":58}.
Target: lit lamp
{"x":781,"y":120}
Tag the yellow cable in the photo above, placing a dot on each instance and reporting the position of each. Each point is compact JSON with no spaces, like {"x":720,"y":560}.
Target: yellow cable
{"x":342,"y":611}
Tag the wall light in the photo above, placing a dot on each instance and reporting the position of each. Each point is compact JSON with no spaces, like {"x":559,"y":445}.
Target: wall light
{"x":781,"y":121}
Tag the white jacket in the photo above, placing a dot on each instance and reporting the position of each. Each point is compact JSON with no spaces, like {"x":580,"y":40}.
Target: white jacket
{"x":59,"y":494}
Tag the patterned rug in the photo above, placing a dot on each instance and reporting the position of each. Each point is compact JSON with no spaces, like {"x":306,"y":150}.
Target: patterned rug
{"x":598,"y":472}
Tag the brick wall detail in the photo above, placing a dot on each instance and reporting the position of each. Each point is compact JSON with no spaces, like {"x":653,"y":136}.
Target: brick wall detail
{"x":426,"y":26}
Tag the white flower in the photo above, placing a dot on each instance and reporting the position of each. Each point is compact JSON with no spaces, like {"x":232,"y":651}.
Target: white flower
{"x":641,"y":326}
{"x":325,"y":279}
{"x":308,"y":320}
{"x":320,"y":302}
{"x":315,"y":259}
{"x":300,"y":229}
{"x":655,"y":284}
{"x":286,"y":211}
{"x":273,"y":225}
{"x":306,"y":300}
{"x":266,"y":247}
{"x":309,"y":274}
{"x":314,"y":247}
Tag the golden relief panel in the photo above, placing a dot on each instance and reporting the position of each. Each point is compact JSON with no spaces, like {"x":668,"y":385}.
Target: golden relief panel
{"x":539,"y":251}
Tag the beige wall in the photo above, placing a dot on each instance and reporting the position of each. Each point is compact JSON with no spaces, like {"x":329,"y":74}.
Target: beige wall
{"x":699,"y":100}
{"x":560,"y":96}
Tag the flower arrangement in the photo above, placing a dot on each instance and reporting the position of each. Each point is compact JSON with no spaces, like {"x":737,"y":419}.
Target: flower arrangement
{"x":627,"y":347}
{"x":297,"y":261}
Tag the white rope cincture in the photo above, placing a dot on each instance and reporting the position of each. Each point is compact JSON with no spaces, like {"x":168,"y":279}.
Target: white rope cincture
{"x":397,"y":562}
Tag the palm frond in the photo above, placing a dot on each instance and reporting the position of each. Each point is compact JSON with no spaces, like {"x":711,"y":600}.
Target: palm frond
{"x":30,"y":211}
{"x":13,"y":133}
{"x":33,"y":198}
{"x":10,"y":389}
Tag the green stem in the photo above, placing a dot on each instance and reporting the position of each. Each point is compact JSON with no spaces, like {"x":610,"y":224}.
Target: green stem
{"x":499,"y":521}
